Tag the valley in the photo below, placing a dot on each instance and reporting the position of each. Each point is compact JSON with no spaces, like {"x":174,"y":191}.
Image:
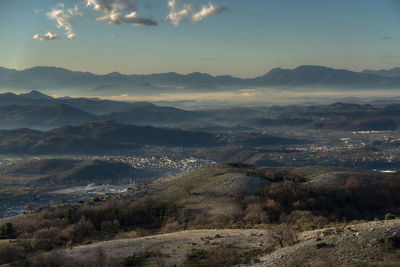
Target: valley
{"x":189,"y":184}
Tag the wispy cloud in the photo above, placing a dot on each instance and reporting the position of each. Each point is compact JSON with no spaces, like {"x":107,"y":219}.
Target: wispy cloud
{"x":206,"y":11}
{"x":176,"y":16}
{"x":125,"y":11}
{"x":45,"y":37}
{"x":63,"y":18}
{"x":189,"y":12}
{"x":119,"y":11}
{"x":76,"y":11}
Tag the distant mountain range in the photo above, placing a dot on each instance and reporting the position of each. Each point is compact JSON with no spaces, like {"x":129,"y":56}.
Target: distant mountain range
{"x":53,"y":78}
{"x":395,"y":72}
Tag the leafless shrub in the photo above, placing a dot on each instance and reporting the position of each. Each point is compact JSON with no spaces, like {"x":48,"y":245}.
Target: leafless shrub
{"x":284,"y":234}
{"x":255,"y":213}
{"x":171,"y":227}
{"x":239,"y":193}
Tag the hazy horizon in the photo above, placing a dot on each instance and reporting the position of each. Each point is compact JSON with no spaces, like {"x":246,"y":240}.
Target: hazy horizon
{"x":219,"y":37}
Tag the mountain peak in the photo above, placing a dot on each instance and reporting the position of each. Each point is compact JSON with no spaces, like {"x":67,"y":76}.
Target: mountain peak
{"x":36,"y":95}
{"x":115,"y":74}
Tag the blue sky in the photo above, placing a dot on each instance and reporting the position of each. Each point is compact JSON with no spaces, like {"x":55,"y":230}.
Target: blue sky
{"x":241,"y":38}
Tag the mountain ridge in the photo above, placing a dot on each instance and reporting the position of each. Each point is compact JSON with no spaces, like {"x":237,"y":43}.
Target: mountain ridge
{"x":44,"y":77}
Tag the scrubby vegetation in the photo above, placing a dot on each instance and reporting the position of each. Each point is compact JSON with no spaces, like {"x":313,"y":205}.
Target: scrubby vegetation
{"x":289,"y":203}
{"x":223,"y":256}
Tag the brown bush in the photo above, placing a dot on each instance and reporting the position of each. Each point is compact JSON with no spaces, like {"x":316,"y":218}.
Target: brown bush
{"x":46,"y":239}
{"x":255,"y":213}
{"x":171,"y":227}
{"x":221,"y":218}
{"x":239,"y":193}
{"x":111,"y":226}
{"x":78,"y":232}
{"x":11,"y":254}
{"x":127,"y":235}
{"x":302,"y":217}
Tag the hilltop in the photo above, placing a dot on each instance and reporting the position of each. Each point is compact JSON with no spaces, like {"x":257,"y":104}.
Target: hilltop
{"x":98,"y":137}
{"x":74,"y":172}
{"x":273,"y":209}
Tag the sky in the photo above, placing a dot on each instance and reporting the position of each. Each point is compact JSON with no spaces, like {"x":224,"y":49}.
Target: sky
{"x":244,"y":38}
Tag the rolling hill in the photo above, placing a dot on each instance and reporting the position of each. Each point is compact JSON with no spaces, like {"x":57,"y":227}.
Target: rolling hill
{"x":147,"y":113}
{"x":99,"y":137}
{"x":42,"y":116}
{"x":223,"y":215}
{"x":35,"y":98}
{"x":144,"y":135}
{"x":75,"y":172}
{"x":41,"y":111}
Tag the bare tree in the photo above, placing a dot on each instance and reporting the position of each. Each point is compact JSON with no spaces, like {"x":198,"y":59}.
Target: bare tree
{"x":283,"y":234}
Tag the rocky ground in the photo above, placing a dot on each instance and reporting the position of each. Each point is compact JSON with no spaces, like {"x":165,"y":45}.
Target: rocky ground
{"x":353,"y":244}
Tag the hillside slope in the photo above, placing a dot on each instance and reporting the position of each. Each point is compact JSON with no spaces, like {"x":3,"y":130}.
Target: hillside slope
{"x":343,"y":245}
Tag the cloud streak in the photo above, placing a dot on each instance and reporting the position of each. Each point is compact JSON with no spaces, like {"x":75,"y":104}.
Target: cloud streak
{"x":176,"y":16}
{"x":48,"y":36}
{"x":63,"y":18}
{"x":118,"y":12}
{"x":207,"y":11}
{"x":188,"y":12}
{"x":126,"y":11}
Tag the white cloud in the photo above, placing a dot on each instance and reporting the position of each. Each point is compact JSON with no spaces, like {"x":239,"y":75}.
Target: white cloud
{"x":46,"y":36}
{"x":175,"y":16}
{"x":119,"y":11}
{"x":187,"y":12}
{"x":206,"y":11}
{"x":75,"y":11}
{"x":63,"y":18}
{"x":71,"y":36}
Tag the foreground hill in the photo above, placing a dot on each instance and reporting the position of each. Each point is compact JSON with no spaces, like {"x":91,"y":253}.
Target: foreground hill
{"x":375,"y":243}
{"x":220,"y":190}
{"x":282,"y":203}
{"x":342,"y":245}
